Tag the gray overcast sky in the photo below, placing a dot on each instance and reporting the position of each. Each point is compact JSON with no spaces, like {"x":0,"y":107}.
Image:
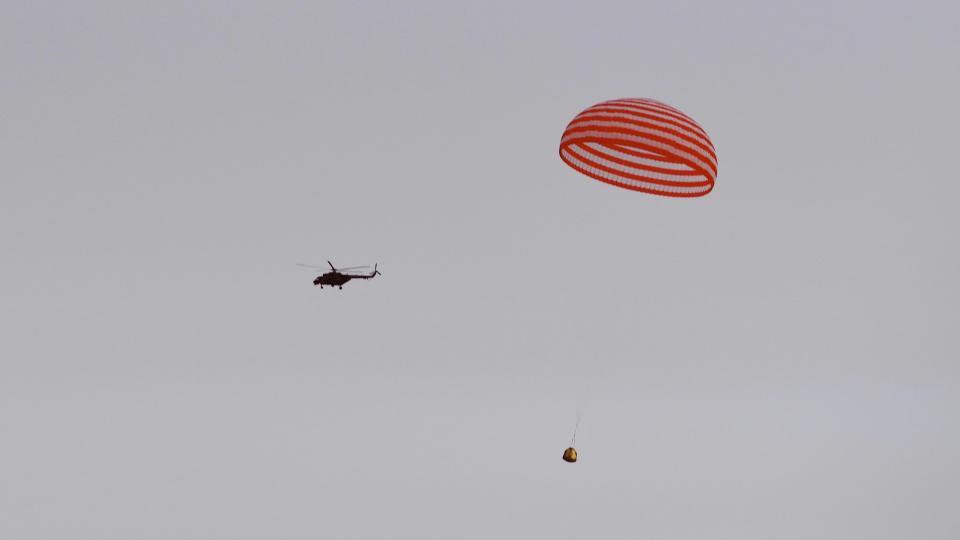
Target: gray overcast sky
{"x":775,"y":360}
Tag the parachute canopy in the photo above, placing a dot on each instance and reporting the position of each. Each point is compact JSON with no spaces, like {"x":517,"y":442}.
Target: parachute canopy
{"x":642,"y":145}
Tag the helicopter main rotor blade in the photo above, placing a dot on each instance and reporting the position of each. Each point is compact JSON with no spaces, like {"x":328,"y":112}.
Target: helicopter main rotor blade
{"x":338,"y":269}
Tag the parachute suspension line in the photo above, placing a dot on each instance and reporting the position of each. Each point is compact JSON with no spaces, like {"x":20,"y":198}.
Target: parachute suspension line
{"x":573,"y":440}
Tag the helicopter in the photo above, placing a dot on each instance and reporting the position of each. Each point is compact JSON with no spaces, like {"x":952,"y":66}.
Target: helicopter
{"x":337,"y":278}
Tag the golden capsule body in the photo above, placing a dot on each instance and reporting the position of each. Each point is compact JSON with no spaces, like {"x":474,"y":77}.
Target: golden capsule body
{"x":570,"y":455}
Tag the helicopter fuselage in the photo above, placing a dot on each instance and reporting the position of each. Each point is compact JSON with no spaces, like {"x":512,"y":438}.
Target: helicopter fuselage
{"x":333,"y":279}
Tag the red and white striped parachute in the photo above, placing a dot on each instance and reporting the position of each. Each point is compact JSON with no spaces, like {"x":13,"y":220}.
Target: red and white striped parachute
{"x":643,"y":145}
